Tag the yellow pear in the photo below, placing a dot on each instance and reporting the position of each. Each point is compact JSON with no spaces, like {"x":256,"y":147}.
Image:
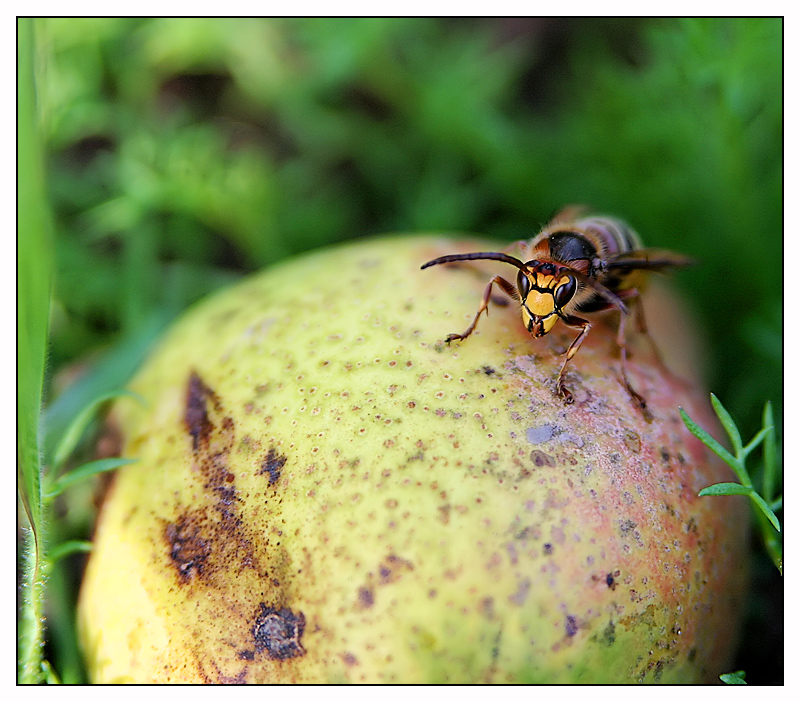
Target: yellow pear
{"x":325,"y":491}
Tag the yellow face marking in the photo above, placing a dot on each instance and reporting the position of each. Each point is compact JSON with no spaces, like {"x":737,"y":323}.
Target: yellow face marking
{"x":538,"y":325}
{"x":549,"y":323}
{"x":541,"y":304}
{"x":539,"y":308}
{"x":544,"y":281}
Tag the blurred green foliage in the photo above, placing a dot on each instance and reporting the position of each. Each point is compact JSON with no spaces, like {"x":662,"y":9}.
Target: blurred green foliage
{"x":183,"y":153}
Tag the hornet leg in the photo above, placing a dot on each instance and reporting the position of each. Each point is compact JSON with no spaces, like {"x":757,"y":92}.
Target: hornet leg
{"x":623,"y":352}
{"x":585,"y":326}
{"x":507,"y":287}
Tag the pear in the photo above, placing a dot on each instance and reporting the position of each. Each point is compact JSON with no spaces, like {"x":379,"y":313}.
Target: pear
{"x":326,"y":492}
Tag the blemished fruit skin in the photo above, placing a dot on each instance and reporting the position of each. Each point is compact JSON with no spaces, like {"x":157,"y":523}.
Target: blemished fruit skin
{"x":326,"y":492}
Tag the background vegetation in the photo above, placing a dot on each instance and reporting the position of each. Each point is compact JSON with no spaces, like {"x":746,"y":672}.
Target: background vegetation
{"x":181,"y":154}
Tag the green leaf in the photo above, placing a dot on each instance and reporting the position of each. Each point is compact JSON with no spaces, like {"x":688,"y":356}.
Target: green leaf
{"x":78,"y":426}
{"x":764,"y":507}
{"x":67,"y":548}
{"x":728,"y":424}
{"x":772,"y":543}
{"x":755,"y":441}
{"x":770,"y":462}
{"x":711,"y":442}
{"x":736,"y":678}
{"x":85,"y":471}
{"x":765,"y":516}
{"x":113,"y":370}
{"x":726,"y":489}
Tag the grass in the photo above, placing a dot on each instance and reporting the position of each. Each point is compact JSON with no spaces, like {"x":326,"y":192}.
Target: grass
{"x":765,"y":502}
{"x":34,"y":276}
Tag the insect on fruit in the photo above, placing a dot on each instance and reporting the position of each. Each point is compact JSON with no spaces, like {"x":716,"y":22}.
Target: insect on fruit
{"x":577,"y":264}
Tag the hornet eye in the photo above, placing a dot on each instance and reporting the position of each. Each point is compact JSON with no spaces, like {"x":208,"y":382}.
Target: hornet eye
{"x":523,"y":285}
{"x":565,"y":292}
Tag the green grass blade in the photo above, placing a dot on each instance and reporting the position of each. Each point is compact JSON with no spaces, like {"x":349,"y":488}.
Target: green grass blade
{"x":34,"y":282}
{"x":764,"y":507}
{"x":728,"y":424}
{"x":725,"y":489}
{"x":50,"y":675}
{"x":87,"y":470}
{"x":112,"y":371}
{"x":67,"y":548}
{"x":770,"y":455}
{"x":711,"y":442}
{"x":34,"y":279}
{"x":78,"y":427}
{"x":736,"y":678}
{"x":772,"y":540}
{"x":754,"y":442}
